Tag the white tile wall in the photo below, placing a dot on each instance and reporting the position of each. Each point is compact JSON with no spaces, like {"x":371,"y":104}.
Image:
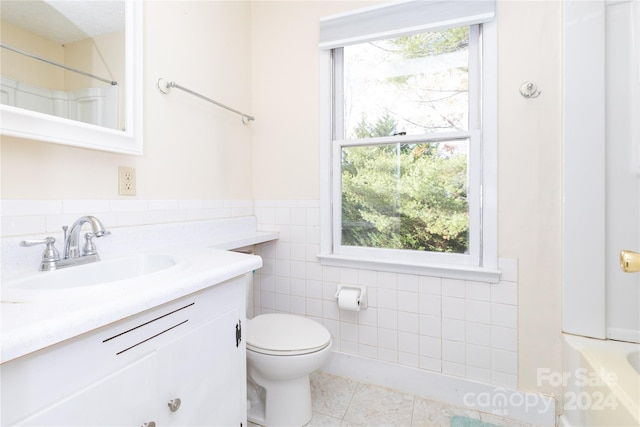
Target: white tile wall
{"x":25,"y":217}
{"x":149,"y":223}
{"x":461,"y":328}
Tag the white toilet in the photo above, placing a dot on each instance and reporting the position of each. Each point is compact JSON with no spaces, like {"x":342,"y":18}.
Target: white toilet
{"x":282,"y":350}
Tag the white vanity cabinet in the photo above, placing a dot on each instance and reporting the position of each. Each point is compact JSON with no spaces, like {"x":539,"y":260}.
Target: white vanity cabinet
{"x":128,"y":373}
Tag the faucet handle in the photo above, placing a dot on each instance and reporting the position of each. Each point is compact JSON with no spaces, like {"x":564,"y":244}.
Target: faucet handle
{"x":49,"y":241}
{"x":50,"y":255}
{"x":89,"y":247}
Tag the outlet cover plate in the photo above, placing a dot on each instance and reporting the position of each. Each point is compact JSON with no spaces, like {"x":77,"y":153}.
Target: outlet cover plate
{"x":126,"y":181}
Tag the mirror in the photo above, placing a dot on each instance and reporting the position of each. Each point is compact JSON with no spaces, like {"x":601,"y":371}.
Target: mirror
{"x":72,"y":72}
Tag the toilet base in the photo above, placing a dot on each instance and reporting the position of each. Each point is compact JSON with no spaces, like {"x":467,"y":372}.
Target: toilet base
{"x":288,"y":403}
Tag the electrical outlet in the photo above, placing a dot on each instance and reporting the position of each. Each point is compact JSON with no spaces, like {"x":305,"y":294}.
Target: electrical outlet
{"x":126,"y":181}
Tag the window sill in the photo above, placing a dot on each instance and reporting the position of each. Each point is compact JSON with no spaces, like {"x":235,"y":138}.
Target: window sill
{"x":462,"y":272}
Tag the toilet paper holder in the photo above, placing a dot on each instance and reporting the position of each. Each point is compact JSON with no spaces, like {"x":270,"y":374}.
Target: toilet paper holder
{"x":362,"y":298}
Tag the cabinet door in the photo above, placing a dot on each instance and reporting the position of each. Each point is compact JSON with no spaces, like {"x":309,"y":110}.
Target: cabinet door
{"x":124,"y":398}
{"x":206,"y":371}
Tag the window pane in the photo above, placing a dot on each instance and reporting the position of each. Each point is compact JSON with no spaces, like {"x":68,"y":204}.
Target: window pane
{"x":406,"y":196}
{"x":411,"y":84}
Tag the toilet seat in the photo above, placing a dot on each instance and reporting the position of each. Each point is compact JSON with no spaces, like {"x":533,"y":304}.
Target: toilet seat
{"x":285,"y":335}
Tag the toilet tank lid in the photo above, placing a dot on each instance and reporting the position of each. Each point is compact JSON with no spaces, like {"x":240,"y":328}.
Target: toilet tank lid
{"x":286,"y":332}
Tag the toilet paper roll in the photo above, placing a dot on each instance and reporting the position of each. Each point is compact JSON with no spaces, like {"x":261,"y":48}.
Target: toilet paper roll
{"x":349,"y":299}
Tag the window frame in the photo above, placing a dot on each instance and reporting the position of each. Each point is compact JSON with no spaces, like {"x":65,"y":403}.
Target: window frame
{"x":481,"y":262}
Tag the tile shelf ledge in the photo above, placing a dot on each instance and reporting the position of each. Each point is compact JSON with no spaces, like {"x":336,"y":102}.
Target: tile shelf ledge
{"x":243,"y":240}
{"x":478,"y":274}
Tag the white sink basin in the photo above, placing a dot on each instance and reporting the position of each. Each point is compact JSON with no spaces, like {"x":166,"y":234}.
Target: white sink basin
{"x":96,"y":273}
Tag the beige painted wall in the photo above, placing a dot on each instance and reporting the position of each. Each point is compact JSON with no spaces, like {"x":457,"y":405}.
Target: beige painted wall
{"x":192,"y":149}
{"x":263,"y":58}
{"x":286,"y":101}
{"x":530,"y":181}
{"x":25,"y":69}
{"x":285,"y":81}
{"x":102,"y":56}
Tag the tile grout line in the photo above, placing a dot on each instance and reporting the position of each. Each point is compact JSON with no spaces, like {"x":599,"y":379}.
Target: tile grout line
{"x":455,"y":410}
{"x":355,"y":389}
{"x":413,"y":411}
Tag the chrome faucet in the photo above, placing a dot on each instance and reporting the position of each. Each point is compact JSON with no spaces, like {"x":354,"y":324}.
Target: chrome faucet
{"x":72,"y":253}
{"x":72,"y":237}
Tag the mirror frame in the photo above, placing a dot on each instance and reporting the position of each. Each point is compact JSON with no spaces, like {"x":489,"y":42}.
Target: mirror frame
{"x":27,"y":124}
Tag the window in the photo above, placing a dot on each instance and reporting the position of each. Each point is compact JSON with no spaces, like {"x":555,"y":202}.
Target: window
{"x":408,"y":148}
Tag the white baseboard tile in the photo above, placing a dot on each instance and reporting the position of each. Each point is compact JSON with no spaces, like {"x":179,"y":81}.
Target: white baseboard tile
{"x":526,"y":407}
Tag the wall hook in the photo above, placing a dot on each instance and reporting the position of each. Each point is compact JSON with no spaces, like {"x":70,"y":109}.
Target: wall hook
{"x":529,"y":90}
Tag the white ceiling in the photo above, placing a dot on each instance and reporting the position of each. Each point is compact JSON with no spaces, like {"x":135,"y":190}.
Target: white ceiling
{"x":65,"y":21}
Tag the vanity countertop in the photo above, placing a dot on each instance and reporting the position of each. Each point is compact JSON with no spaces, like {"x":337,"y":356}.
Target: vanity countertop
{"x":32,"y":320}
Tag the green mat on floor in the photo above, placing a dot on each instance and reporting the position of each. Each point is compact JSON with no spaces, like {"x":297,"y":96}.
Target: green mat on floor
{"x":458,"y":421}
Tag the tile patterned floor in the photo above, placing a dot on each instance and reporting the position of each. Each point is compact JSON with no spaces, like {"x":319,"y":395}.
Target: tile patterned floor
{"x":342,"y":402}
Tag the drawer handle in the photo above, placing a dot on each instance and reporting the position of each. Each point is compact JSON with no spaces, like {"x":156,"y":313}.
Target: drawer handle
{"x":174,"y":404}
{"x":149,"y":424}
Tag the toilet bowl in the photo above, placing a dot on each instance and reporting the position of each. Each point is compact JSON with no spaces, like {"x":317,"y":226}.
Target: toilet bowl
{"x":282,"y":350}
